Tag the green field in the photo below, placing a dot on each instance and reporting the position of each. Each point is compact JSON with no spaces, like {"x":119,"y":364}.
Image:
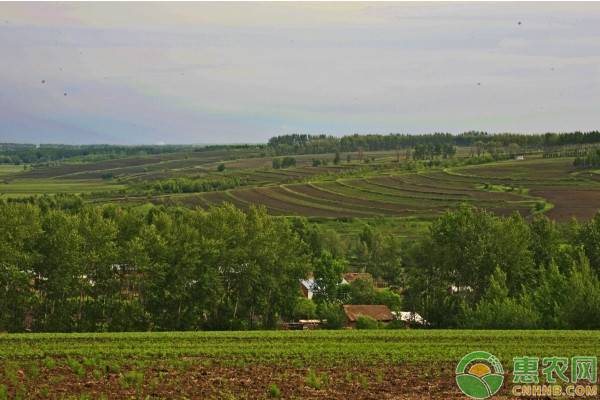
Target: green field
{"x":29,"y":187}
{"x":357,"y":364}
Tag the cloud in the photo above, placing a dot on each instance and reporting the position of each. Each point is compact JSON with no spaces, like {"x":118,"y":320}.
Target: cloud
{"x":241,"y":72}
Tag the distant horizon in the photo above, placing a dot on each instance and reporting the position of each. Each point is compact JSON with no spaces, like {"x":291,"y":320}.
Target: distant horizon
{"x":135,"y":73}
{"x":295,"y":133}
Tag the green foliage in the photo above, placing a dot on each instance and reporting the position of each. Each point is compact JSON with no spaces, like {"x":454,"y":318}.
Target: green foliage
{"x":221,"y":167}
{"x":284,"y":162}
{"x":454,"y":263}
{"x":193,"y":185}
{"x":362,"y":291}
{"x":581,"y":308}
{"x":429,"y":145}
{"x":366,"y":322}
{"x":591,"y":159}
{"x":305,"y":309}
{"x":332,"y":315}
{"x":588,"y":236}
{"x":337,"y":158}
{"x":328,"y":276}
{"x":381,"y":255}
{"x":498,"y":311}
{"x":97,"y":269}
{"x":274,"y":391}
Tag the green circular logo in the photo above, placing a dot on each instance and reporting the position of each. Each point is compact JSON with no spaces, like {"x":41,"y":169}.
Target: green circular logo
{"x":479,"y":375}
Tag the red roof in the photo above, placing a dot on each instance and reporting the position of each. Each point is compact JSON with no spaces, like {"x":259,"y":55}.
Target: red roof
{"x":378,"y":312}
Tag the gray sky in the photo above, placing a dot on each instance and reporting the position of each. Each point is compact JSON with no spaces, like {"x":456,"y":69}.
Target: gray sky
{"x":243,"y":72}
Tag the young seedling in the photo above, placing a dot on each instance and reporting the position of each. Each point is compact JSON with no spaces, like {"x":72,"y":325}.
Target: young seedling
{"x":274,"y":391}
{"x":312,"y":380}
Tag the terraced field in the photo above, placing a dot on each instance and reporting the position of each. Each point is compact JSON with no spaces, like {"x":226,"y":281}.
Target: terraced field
{"x":385,"y":195}
{"x":347,"y":190}
{"x":535,"y":185}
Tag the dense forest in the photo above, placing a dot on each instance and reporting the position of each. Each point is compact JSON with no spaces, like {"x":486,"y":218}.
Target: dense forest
{"x":70,"y":266}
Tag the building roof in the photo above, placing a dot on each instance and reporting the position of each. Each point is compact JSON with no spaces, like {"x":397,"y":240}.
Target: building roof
{"x":378,"y":312}
{"x":350,"y":277}
{"x":309,"y":284}
{"x":407,"y":316}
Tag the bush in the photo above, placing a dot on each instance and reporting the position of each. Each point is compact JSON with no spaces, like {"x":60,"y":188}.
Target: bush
{"x":221,"y":167}
{"x":333,"y":314}
{"x":366,"y":322}
{"x":305,"y":309}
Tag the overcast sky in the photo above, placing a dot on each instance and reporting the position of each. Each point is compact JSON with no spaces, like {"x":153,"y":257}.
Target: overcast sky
{"x":243,"y":72}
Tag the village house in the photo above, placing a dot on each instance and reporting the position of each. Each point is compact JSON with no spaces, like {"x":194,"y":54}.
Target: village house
{"x":379,"y":312}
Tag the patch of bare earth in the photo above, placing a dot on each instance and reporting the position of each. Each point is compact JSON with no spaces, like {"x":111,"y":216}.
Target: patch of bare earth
{"x":429,"y":381}
{"x":570,"y":202}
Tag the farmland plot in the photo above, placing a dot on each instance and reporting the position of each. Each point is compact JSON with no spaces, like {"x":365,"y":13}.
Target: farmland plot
{"x":409,"y":364}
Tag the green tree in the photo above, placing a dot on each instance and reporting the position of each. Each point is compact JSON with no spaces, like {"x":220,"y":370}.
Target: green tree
{"x":336,"y":158}
{"x":328,"y":276}
{"x":381,"y":255}
{"x":305,"y":309}
{"x":545,"y":240}
{"x":496,"y":310}
{"x":331,"y":314}
{"x":581,"y":310}
{"x":19,"y":230}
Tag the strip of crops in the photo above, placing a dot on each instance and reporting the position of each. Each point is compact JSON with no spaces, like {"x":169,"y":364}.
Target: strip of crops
{"x":305,"y":347}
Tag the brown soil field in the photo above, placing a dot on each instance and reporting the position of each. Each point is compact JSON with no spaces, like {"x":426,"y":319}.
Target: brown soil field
{"x":261,"y":197}
{"x":319,"y":193}
{"x":397,"y":382}
{"x":341,"y":204}
{"x":570,"y":202}
{"x":552,"y":169}
{"x":406,"y":191}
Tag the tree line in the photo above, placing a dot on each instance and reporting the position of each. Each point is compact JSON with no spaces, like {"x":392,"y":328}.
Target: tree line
{"x":477,"y":270}
{"x":306,"y":144}
{"x":12,"y":153}
{"x":70,"y":266}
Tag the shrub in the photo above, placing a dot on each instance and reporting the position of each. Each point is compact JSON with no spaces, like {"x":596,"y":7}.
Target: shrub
{"x":332,"y":314}
{"x":305,"y":309}
{"x":366,"y":322}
